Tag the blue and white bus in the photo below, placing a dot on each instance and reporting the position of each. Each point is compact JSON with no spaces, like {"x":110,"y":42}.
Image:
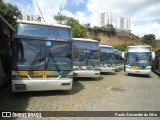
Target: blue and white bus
{"x":138,"y":59}
{"x":119,"y":62}
{"x":86,"y":58}
{"x":42,"y":57}
{"x":107,"y":58}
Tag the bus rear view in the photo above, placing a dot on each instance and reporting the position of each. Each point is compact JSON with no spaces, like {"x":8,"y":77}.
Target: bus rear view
{"x":138,"y":60}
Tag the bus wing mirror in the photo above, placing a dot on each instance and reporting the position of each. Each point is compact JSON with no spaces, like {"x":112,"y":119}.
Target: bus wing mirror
{"x":153,"y":55}
{"x":123,"y":55}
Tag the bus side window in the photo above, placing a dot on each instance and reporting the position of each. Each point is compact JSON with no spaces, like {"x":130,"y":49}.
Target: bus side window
{"x":75,"y":53}
{"x":20,"y":51}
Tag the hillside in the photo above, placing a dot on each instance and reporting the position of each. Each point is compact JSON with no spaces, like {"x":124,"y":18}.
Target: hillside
{"x":119,"y":38}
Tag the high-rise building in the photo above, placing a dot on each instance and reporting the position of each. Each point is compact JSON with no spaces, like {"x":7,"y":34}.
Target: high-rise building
{"x":123,"y":23}
{"x":31,"y":18}
{"x":104,"y":19}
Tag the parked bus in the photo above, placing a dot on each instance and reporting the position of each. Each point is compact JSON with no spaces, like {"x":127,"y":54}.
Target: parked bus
{"x":107,"y":58}
{"x":86,"y":58}
{"x":117,"y":60}
{"x":138,"y":59}
{"x":156,"y":62}
{"x":119,"y":63}
{"x":6,"y":45}
{"x":42,"y":57}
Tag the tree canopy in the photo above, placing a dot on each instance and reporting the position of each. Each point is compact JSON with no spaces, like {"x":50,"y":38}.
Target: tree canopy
{"x":108,"y":30}
{"x":149,"y":39}
{"x":77,"y":29}
{"x":123,"y":46}
{"x":9,"y":12}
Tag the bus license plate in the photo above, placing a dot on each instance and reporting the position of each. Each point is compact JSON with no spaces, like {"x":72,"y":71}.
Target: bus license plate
{"x":20,"y":86}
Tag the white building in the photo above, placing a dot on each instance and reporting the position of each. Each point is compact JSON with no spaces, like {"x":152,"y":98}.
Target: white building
{"x":104,"y":19}
{"x":31,"y":18}
{"x":123,"y":23}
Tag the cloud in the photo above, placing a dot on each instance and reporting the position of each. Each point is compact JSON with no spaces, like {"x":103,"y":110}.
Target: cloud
{"x":143,"y":13}
{"x":145,"y":17}
{"x":136,"y":9}
{"x":25,"y":7}
{"x":67,"y":13}
{"x":49,"y":8}
{"x":149,"y":28}
{"x":82,"y":17}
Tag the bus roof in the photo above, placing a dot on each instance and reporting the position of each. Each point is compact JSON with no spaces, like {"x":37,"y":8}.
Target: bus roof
{"x":140,"y":46}
{"x":42,"y":23}
{"x":105,"y":46}
{"x":85,"y":39}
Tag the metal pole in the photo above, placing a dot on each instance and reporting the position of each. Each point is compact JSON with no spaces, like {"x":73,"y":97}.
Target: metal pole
{"x":40,"y":11}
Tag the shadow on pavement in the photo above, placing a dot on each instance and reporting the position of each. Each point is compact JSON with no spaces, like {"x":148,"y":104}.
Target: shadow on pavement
{"x":139,"y":75}
{"x":87,"y":79}
{"x":108,"y":73}
{"x":12,"y":102}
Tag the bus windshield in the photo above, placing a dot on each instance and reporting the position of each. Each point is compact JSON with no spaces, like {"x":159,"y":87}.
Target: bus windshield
{"x":42,"y":55}
{"x":118,"y":57}
{"x":86,"y":57}
{"x":107,"y":55}
{"x":107,"y":58}
{"x":139,"y":58}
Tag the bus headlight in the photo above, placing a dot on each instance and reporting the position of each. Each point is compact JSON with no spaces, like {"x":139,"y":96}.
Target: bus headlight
{"x":148,"y":68}
{"x":128,"y":67}
{"x":101,"y":65}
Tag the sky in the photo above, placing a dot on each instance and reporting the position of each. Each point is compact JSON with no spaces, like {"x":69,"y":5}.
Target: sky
{"x":144,"y":14}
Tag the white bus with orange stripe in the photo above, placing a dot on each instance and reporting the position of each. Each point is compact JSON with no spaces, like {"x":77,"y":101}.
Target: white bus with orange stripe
{"x":138,"y":59}
{"x":42,"y":57}
{"x":107,"y":58}
{"x":86,"y":58}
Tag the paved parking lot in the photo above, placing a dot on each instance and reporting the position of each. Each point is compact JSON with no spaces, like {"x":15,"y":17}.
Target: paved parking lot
{"x":110,"y":92}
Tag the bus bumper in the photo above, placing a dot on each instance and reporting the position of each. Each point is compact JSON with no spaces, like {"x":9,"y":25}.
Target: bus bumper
{"x":142,"y":72}
{"x":107,"y":69}
{"x":121,"y":67}
{"x":86,"y":73}
{"x":118,"y":67}
{"x":42,"y":84}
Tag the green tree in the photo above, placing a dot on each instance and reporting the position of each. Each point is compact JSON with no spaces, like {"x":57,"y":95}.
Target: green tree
{"x":9,"y":12}
{"x":123,"y":46}
{"x":111,"y":30}
{"x":97,"y":38}
{"x":77,"y":29}
{"x":61,"y":19}
{"x":149,"y":39}
{"x":108,"y":30}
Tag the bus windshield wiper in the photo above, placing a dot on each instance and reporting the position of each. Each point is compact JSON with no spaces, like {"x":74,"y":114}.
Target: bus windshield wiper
{"x":34,"y":61}
{"x":55,"y":63}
